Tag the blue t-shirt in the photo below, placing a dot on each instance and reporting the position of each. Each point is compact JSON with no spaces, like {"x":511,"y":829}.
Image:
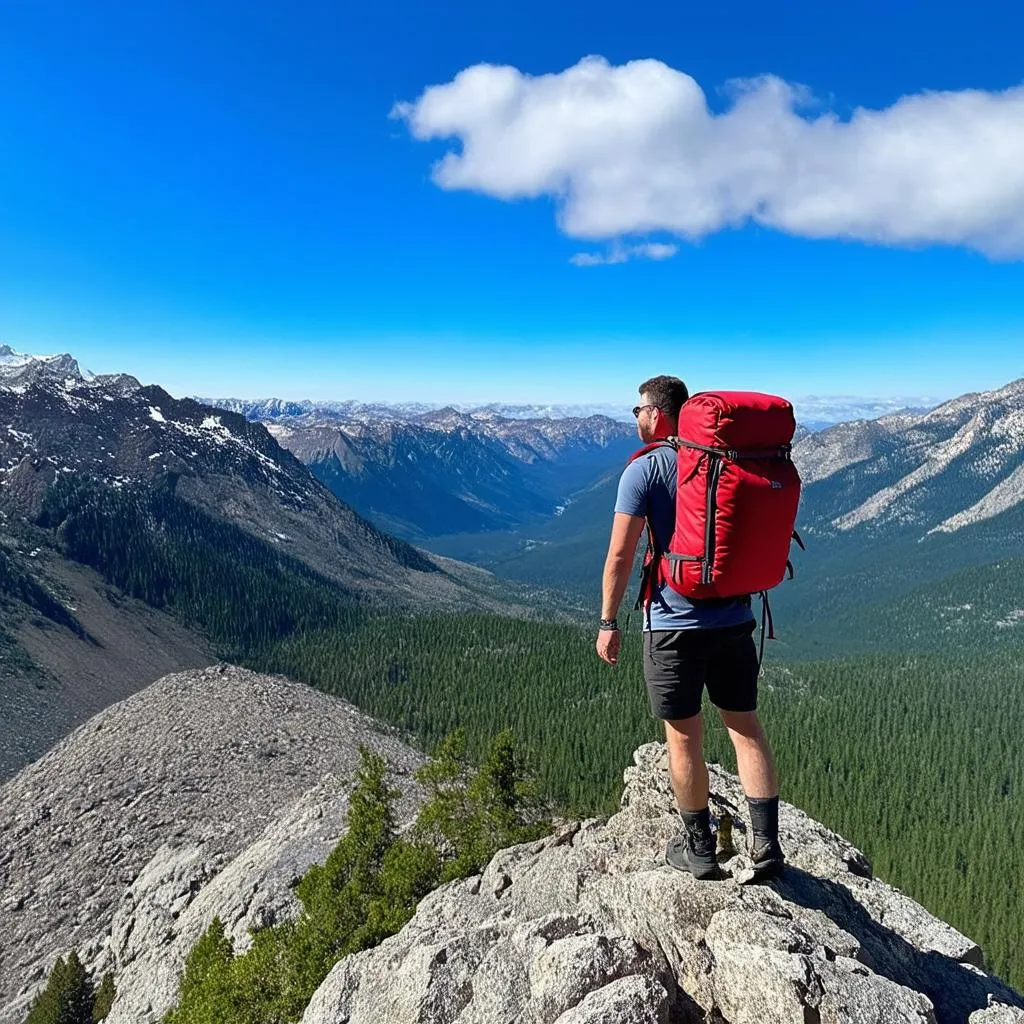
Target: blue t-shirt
{"x":647,"y":488}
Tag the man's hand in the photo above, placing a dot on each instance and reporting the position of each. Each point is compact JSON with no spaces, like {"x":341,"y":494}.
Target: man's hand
{"x":608,"y":642}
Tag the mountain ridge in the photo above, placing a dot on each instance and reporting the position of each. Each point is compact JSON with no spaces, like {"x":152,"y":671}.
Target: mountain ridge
{"x":84,"y":457}
{"x":976,"y":439}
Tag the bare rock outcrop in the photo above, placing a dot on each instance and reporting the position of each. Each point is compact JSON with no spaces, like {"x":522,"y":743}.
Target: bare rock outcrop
{"x":212,"y":792}
{"x":209,"y":792}
{"x":590,"y":926}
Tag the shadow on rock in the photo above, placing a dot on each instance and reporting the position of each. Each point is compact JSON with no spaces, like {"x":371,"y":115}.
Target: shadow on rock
{"x":956,"y":989}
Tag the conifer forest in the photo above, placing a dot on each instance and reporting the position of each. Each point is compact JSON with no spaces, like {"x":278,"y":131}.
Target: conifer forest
{"x":913,"y":756}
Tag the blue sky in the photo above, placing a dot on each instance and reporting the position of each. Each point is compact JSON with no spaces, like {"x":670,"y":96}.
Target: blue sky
{"x":214,"y":197}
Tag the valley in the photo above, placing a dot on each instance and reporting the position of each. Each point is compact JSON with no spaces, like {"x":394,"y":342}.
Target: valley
{"x":440,"y":568}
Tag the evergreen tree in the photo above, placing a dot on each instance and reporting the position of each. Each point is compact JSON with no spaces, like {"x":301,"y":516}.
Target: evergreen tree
{"x":206,"y":995}
{"x":104,"y":998}
{"x":67,"y":998}
{"x":469,"y":817}
{"x":367,"y":889}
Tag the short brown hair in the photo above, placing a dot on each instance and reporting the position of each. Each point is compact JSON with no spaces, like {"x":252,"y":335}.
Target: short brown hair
{"x":667,"y":393}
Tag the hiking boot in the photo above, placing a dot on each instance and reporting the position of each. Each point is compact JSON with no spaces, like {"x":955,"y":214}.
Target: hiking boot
{"x":695,"y":855}
{"x":767,"y":861}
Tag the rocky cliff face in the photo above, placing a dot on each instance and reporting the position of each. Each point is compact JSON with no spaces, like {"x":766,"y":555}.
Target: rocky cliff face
{"x":940,"y":471}
{"x":210,"y":792}
{"x":207,"y":792}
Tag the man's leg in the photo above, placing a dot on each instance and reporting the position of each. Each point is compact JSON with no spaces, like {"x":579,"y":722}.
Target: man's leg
{"x":754,"y":759}
{"x":760,"y":781}
{"x":674,"y":665}
{"x":684,"y":738}
{"x":694,"y":849}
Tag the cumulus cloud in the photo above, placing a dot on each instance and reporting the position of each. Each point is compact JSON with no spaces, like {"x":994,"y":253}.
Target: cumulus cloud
{"x":634,"y":149}
{"x":619,"y":253}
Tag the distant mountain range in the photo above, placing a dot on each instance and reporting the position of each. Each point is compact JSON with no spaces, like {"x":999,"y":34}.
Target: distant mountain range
{"x":447,"y":472}
{"x":814,"y":412}
{"x":429,"y":474}
{"x":140,"y":533}
{"x":891,"y":503}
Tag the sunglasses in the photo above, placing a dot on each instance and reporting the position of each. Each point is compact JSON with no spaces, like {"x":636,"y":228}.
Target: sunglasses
{"x":637,"y":408}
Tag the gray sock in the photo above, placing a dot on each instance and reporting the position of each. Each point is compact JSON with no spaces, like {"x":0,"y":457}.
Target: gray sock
{"x":698,"y":823}
{"x":764,"y":819}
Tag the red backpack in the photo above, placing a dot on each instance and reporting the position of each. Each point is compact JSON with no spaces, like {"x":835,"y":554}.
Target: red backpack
{"x":737,"y":494}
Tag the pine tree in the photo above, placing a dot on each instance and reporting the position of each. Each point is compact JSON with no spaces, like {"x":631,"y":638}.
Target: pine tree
{"x":104,"y":998}
{"x":206,"y":988}
{"x":67,"y":998}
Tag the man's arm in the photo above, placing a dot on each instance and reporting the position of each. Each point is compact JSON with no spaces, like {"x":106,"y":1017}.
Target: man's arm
{"x":618,"y":565}
{"x":626,"y":530}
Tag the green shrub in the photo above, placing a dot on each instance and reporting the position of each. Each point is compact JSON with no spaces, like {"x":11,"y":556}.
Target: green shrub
{"x":368,"y":887}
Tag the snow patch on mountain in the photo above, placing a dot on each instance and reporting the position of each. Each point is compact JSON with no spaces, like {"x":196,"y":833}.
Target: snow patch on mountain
{"x":1005,"y":495}
{"x":885,"y":502}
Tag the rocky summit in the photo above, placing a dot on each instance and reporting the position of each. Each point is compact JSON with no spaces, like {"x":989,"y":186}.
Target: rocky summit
{"x":212,"y":791}
{"x":589,"y":926}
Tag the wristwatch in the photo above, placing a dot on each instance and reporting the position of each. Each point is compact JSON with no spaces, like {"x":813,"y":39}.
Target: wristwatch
{"x":609,"y":624}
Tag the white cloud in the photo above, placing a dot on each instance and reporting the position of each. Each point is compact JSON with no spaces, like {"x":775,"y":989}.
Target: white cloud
{"x":618,"y":253}
{"x":634,"y":149}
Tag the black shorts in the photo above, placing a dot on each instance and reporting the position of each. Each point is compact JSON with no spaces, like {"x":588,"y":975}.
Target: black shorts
{"x":679,"y":663}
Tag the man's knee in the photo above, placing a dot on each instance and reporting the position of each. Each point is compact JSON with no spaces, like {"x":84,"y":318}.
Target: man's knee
{"x":745,"y":724}
{"x":684,"y":732}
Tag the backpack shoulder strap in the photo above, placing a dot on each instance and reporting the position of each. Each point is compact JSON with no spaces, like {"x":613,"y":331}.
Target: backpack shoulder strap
{"x":668,"y":442}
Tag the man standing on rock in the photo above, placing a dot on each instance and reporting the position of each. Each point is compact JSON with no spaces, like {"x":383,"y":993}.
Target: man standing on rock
{"x":688,"y":645}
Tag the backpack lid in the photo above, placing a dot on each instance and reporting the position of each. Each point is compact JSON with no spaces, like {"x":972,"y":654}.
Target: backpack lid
{"x":737,"y":419}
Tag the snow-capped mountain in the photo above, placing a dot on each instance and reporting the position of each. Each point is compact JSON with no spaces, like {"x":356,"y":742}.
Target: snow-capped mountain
{"x":57,"y":421}
{"x":18,"y":370}
{"x":409,"y":412}
{"x":939,"y":471}
{"x":447,"y":471}
{"x":143,"y":533}
{"x":814,"y":412}
{"x":264,"y":409}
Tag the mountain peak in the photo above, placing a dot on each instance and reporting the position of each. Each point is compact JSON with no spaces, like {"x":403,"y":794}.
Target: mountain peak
{"x":18,"y":369}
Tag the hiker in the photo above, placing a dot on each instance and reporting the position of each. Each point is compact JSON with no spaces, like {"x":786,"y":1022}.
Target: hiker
{"x":689,"y":644}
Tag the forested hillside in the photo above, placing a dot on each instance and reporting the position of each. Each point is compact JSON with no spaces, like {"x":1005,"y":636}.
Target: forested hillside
{"x":913,"y":758}
{"x":850,"y":594}
{"x":239,"y":590}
